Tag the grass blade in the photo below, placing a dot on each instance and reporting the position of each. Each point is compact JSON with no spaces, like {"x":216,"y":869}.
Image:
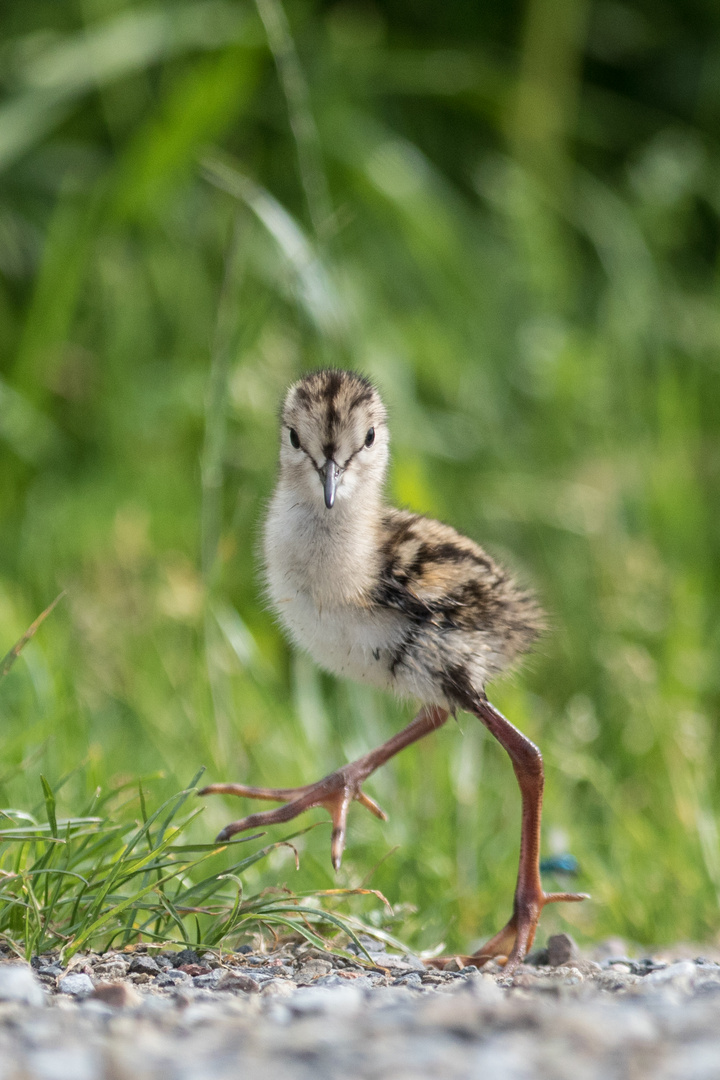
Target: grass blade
{"x":9,"y":659}
{"x":50,"y":806}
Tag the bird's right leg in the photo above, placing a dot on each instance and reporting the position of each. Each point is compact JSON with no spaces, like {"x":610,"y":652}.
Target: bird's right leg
{"x":516,"y":937}
{"x":334,"y":792}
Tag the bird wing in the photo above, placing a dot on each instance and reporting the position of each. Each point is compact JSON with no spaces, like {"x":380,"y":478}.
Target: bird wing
{"x":433,"y":573}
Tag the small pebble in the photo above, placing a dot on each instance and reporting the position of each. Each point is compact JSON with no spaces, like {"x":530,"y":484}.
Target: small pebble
{"x":209,"y":980}
{"x":454,"y":964}
{"x":230,"y":980}
{"x":116,"y":968}
{"x":278,"y":988}
{"x":118,"y":994}
{"x":411,"y":979}
{"x":329,"y":980}
{"x":311,"y":971}
{"x":17,"y":983}
{"x":172,"y":978}
{"x":76,"y":984}
{"x":50,"y":969}
{"x":186,"y":956}
{"x":561,"y":950}
{"x":144,"y":965}
{"x":262,"y":973}
{"x":680,"y":975}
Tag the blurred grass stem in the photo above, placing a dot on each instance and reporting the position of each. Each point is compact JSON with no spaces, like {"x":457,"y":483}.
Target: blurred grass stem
{"x":302,"y":122}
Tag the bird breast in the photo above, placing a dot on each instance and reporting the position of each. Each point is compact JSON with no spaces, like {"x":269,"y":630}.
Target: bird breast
{"x":319,"y":574}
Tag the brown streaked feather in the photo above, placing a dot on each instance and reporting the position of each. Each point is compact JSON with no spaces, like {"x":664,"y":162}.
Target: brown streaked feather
{"x":374,"y":593}
{"x":445,"y":581}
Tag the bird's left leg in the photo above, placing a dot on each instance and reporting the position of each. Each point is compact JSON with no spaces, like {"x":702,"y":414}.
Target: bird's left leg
{"x":334,"y":792}
{"x":516,"y":937}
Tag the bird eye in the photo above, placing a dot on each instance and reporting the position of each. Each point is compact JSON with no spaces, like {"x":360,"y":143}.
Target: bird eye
{"x":294,"y":438}
{"x":370,"y":437}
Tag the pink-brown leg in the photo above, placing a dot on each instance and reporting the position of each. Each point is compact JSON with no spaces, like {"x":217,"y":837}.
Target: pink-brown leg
{"x":516,"y":937}
{"x":334,"y":792}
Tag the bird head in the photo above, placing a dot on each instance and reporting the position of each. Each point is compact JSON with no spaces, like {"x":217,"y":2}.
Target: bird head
{"x":334,"y":439}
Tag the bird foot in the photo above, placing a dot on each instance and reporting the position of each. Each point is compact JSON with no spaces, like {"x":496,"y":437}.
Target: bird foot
{"x":515,"y":939}
{"x":510,"y":945}
{"x":334,"y":792}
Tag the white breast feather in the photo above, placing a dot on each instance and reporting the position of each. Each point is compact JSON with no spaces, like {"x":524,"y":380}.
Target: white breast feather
{"x":319,"y":572}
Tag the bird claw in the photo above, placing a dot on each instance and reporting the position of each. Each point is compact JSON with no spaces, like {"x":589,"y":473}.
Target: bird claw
{"x":515,"y":939}
{"x":334,"y":792}
{"x":510,"y":946}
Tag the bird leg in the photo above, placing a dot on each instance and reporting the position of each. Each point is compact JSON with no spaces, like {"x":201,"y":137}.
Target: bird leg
{"x":334,"y":792}
{"x":516,"y":937}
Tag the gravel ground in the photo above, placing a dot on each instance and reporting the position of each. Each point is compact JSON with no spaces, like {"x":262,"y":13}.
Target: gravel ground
{"x":298,"y":1014}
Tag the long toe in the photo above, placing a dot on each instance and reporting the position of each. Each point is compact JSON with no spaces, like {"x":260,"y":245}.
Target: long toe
{"x":565,"y":897}
{"x":334,"y":793}
{"x":502,"y":944}
{"x":246,"y":791}
{"x":262,"y":819}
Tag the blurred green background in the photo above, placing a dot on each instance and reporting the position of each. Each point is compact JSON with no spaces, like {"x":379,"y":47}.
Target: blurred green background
{"x":508,"y":216}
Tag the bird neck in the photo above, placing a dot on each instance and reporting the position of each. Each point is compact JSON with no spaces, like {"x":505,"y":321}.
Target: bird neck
{"x":333,"y":555}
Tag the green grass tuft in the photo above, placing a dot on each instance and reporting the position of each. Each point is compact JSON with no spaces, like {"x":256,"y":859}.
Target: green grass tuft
{"x":104,"y":880}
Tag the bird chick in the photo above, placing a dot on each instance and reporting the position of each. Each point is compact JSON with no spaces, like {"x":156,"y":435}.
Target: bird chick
{"x":396,"y":600}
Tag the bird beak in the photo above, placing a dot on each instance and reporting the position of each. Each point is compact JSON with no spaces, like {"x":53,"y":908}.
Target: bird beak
{"x":330,"y":474}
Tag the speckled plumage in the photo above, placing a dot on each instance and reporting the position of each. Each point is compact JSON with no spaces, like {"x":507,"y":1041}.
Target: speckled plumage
{"x":373,"y":593}
{"x":394,"y":599}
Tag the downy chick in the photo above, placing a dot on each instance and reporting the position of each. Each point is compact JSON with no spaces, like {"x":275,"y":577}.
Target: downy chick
{"x":394,"y":599}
